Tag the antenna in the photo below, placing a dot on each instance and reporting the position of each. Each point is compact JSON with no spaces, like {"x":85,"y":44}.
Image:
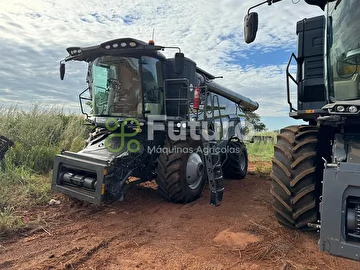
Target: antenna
{"x":151,"y":41}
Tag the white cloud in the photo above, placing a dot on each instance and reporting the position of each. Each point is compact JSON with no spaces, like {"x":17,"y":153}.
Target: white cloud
{"x":34,"y":35}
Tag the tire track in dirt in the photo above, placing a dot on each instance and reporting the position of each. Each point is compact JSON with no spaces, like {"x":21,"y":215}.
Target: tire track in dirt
{"x":85,"y":255}
{"x":88,"y":244}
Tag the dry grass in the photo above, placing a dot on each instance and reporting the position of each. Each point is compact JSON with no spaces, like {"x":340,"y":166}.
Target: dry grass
{"x":276,"y":247}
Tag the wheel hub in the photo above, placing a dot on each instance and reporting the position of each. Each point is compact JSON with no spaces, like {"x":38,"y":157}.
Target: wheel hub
{"x":194,"y":170}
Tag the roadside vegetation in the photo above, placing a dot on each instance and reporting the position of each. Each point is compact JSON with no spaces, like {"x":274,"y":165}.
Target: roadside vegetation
{"x":261,"y":151}
{"x":25,"y":172}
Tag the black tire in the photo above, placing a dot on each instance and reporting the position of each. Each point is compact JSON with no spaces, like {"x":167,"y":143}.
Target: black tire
{"x":236,"y":164}
{"x":172,"y":176}
{"x":296,"y":176}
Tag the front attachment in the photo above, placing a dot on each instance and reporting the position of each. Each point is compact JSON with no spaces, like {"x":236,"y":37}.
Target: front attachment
{"x":80,"y":176}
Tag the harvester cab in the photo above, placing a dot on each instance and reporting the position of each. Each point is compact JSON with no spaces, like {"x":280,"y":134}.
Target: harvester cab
{"x":315,"y":173}
{"x":154,"y":118}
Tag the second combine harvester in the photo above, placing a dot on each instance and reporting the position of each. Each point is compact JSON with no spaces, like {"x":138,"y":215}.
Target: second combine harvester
{"x":155,"y":118}
{"x":316,"y":172}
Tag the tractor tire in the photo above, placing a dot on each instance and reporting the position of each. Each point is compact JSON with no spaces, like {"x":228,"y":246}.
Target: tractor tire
{"x":181,"y":176}
{"x":236,"y":164}
{"x":296,"y":176}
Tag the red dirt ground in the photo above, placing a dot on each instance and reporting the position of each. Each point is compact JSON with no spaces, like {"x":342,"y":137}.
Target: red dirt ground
{"x":147,"y":232}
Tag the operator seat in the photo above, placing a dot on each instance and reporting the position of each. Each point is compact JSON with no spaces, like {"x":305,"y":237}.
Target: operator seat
{"x":126,"y":99}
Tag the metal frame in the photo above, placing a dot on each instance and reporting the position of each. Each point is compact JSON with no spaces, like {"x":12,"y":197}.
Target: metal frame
{"x":339,"y":182}
{"x":186,"y":81}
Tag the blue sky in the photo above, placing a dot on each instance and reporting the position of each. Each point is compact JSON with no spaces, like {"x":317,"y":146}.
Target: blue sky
{"x":34,"y":35}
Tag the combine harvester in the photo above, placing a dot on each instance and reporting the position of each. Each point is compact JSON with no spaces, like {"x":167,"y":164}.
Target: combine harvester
{"x":155,"y":118}
{"x":316,"y":167}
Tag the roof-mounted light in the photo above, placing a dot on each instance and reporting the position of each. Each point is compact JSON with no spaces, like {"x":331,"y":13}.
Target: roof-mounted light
{"x":74,"y":51}
{"x":120,"y":44}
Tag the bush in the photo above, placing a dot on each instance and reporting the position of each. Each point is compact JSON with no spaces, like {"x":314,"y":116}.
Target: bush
{"x":38,"y":135}
{"x":25,"y":173}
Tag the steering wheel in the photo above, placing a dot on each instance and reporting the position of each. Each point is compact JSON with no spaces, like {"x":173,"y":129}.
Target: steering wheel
{"x":151,"y":96}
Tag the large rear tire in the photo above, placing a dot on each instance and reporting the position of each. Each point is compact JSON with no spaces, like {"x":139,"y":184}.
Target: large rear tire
{"x":296,"y":176}
{"x":181,"y":176}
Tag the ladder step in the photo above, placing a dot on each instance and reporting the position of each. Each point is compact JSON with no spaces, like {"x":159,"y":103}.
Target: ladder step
{"x":215,"y":175}
{"x":216,"y":197}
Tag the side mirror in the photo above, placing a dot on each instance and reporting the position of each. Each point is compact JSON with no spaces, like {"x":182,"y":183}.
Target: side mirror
{"x":250,"y":27}
{"x":179,"y":63}
{"x":319,"y":3}
{"x":62,"y":70}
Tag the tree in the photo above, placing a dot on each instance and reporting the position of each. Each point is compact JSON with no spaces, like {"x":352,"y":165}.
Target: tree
{"x":254,"y":119}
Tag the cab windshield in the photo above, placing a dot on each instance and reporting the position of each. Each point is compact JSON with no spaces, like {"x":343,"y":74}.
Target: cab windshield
{"x":126,"y":86}
{"x":343,"y":41}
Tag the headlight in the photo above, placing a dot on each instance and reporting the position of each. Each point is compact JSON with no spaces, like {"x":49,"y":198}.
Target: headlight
{"x":353,"y":109}
{"x":340,"y":108}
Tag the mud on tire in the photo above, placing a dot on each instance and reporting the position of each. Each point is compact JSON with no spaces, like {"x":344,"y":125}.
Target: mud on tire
{"x":173,"y":177}
{"x":236,"y":164}
{"x":296,"y":176}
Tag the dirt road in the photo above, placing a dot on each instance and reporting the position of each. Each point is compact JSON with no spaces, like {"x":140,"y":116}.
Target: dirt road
{"x":146,"y":232}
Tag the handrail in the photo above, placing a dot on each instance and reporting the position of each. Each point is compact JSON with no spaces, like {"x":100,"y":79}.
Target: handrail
{"x":218,"y":106}
{"x":81,"y":98}
{"x":288,"y":75}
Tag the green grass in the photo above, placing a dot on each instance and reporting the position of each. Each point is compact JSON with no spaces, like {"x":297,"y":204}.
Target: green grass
{"x":25,"y":172}
{"x":260,"y":151}
{"x":9,"y":221}
{"x":261,"y":154}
